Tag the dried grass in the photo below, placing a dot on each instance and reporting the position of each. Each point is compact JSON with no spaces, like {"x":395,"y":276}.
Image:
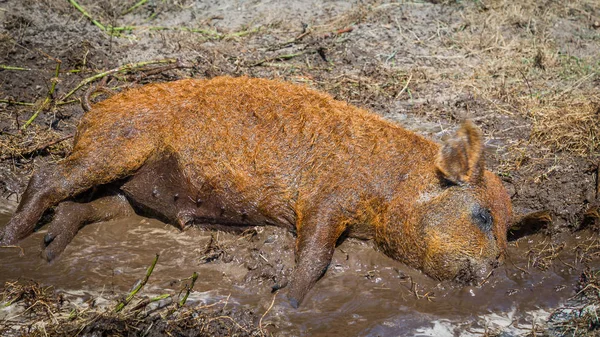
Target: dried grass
{"x":34,"y":140}
{"x":373,"y":85}
{"x":572,"y":127}
{"x":41,"y":311}
{"x":520,"y":68}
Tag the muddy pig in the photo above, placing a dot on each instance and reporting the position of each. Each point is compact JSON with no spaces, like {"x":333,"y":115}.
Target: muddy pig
{"x":245,"y":152}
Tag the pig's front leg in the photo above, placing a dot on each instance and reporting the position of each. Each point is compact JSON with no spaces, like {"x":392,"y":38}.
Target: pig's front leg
{"x":318,"y":232}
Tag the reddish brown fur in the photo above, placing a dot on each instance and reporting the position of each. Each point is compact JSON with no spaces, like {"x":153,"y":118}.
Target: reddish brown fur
{"x":286,"y":155}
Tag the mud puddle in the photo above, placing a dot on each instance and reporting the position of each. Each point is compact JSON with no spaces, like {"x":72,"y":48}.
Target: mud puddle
{"x":363,"y":293}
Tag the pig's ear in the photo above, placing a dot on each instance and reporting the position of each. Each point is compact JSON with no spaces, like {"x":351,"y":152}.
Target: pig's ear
{"x":460,"y":159}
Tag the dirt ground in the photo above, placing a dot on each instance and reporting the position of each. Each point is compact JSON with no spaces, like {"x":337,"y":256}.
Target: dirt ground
{"x":527,"y":72}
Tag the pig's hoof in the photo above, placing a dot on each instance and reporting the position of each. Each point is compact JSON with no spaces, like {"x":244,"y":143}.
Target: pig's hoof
{"x":51,"y":252}
{"x":54,"y":245}
{"x":48,"y":238}
{"x":48,"y":255}
{"x":294,"y":302}
{"x":278,"y":286}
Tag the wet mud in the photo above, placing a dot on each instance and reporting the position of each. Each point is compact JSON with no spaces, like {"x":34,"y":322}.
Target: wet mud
{"x":363,"y":293}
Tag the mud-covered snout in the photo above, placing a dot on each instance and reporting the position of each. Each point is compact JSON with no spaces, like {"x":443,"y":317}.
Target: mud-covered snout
{"x":474,"y":272}
{"x":464,"y":235}
{"x":469,"y":265}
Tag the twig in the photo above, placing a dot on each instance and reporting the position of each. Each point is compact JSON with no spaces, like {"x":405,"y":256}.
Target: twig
{"x":160,"y":297}
{"x":68,"y":102}
{"x":210,"y":33}
{"x":278,"y":46}
{"x":8,"y":133}
{"x":577,"y":84}
{"x":339,"y":32}
{"x":127,"y":67}
{"x":48,"y":99}
{"x":145,"y":302}
{"x":21,"y":248}
{"x":240,"y":33}
{"x":184,"y":29}
{"x":598,"y":181}
{"x":139,"y":287}
{"x":5,"y":67}
{"x":8,"y":101}
{"x":41,"y":147}
{"x":231,"y":319}
{"x":405,"y":86}
{"x":188,"y":290}
{"x":345,"y":30}
{"x":485,"y":279}
{"x":519,"y":268}
{"x":265,"y":314}
{"x":526,"y":82}
{"x":278,"y":57}
{"x":159,"y":70}
{"x":132,"y":8}
{"x":87,"y":15}
{"x":566,"y":263}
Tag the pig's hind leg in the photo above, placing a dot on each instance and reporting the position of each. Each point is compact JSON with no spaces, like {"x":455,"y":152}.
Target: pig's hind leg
{"x":78,"y":173}
{"x":70,"y":216}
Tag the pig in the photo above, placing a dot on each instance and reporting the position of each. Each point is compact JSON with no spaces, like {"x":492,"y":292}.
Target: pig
{"x":248,"y":151}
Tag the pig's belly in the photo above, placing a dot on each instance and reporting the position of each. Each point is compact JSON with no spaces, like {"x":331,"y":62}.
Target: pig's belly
{"x":159,"y":189}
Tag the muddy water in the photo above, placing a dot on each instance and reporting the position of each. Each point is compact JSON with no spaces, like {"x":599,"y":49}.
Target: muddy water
{"x":363,"y":293}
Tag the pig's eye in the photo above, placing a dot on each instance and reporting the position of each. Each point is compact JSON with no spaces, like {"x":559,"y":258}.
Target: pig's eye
{"x":483,"y":218}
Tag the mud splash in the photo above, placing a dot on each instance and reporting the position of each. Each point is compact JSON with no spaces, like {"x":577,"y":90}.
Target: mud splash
{"x":363,"y":293}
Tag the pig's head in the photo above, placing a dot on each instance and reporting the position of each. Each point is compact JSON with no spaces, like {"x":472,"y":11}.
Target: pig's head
{"x":457,"y":227}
